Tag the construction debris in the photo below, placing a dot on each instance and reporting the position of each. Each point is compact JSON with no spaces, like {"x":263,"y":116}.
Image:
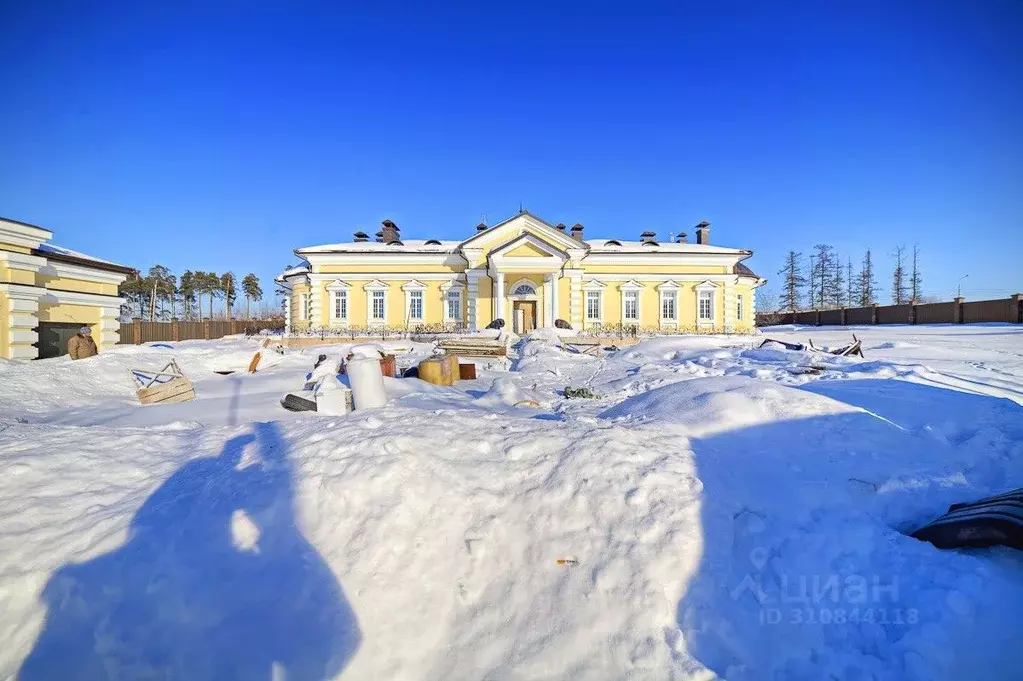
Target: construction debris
{"x":165,"y":386}
{"x":474,"y":347}
{"x":854,"y":348}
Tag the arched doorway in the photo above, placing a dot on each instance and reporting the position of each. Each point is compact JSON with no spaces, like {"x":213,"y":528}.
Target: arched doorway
{"x":524,"y":304}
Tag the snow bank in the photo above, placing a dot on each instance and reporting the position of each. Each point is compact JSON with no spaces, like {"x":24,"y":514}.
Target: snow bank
{"x":704,"y":406}
{"x":710,"y":514}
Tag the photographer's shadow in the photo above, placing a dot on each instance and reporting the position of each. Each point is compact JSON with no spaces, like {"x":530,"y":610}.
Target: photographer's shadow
{"x":214,"y":582}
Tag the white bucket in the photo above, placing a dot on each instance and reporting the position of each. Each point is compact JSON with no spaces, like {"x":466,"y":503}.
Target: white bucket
{"x":367,"y":382}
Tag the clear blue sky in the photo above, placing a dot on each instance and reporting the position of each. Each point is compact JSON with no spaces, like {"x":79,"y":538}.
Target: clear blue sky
{"x":221,"y":135}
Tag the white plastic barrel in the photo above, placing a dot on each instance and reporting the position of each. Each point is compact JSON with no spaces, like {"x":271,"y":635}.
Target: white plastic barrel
{"x":367,"y":382}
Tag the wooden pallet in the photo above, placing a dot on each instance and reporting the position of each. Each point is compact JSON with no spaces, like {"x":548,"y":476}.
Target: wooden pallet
{"x":470,"y":347}
{"x":584,"y":346}
{"x":166,"y":386}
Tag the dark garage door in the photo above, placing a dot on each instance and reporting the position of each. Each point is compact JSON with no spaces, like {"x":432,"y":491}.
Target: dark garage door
{"x":53,"y":338}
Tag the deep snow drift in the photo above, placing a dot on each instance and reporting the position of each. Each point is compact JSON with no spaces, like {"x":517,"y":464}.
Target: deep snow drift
{"x":717,"y":510}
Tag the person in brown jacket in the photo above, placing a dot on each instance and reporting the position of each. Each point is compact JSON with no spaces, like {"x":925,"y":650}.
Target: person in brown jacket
{"x":81,"y":344}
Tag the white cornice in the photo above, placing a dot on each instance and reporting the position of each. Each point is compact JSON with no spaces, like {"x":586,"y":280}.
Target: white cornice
{"x":22,"y":291}
{"x":79,"y":298}
{"x":63,"y":269}
{"x":413,"y":285}
{"x":645,"y":260}
{"x":338,"y":285}
{"x":23,"y":235}
{"x":22,"y":261}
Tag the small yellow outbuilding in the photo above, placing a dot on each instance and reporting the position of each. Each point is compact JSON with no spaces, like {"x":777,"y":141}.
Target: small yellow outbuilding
{"x":47,"y":293}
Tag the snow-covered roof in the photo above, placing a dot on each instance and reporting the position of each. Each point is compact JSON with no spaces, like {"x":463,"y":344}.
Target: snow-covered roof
{"x":612,"y":246}
{"x":60,"y":250}
{"x":60,"y":253}
{"x":291,"y":271}
{"x":403,"y":246}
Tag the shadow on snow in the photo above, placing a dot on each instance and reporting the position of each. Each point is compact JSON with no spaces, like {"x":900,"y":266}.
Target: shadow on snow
{"x":215,"y":582}
{"x":804,"y":571}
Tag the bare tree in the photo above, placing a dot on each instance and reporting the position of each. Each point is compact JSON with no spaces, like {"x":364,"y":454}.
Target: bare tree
{"x":899,"y":276}
{"x":915,"y":279}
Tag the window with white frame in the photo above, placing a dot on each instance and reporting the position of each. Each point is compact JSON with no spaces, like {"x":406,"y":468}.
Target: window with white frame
{"x":340,"y":305}
{"x":593,"y":305}
{"x":379,"y":309}
{"x":630,"y":306}
{"x":453,"y":301}
{"x":738,"y":307}
{"x":415,"y":305}
{"x":303,"y":306}
{"x":705,"y":306}
{"x":669,"y":305}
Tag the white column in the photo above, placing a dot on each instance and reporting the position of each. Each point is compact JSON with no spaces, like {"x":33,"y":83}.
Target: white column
{"x":730,"y":306}
{"x":499,"y":298}
{"x":575,"y":299}
{"x":316,"y":303}
{"x":472,"y":293}
{"x":551,"y":296}
{"x":22,"y":320}
{"x":287,"y":314}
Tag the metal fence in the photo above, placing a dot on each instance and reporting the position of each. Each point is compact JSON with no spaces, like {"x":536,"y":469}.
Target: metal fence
{"x":137,"y":331}
{"x":956,"y":312}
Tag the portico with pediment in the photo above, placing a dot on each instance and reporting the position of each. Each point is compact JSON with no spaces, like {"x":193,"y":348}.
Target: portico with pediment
{"x":528,"y":273}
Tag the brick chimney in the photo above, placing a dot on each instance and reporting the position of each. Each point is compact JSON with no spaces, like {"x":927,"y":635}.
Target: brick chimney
{"x":703,"y":233}
{"x":577,"y":232}
{"x":389,"y":233}
{"x":560,"y":227}
{"x":681,"y":238}
{"x":481,"y":227}
{"x":648,"y":237}
{"x":361,"y":236}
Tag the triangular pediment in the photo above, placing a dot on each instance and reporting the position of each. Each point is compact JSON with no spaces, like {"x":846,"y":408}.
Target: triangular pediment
{"x":527,"y":245}
{"x":522,"y":224}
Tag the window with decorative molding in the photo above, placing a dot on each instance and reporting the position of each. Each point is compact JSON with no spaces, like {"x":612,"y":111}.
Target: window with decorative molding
{"x":630,"y":306}
{"x":415,"y":305}
{"x":706,"y":305}
{"x":453,"y":300}
{"x":341,"y":305}
{"x":524,"y":290}
{"x":738,"y":307}
{"x":379,"y":312}
{"x":593,"y":305}
{"x":669,"y":305}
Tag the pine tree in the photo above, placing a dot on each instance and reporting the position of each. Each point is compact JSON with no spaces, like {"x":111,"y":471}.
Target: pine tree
{"x":250,"y":285}
{"x":822,"y":275}
{"x":836,"y":286}
{"x":186,"y":289}
{"x":867,"y":281}
{"x":899,"y":277}
{"x":792,"y":291}
{"x":229,"y":290}
{"x":915,"y":279}
{"x":851,"y":295}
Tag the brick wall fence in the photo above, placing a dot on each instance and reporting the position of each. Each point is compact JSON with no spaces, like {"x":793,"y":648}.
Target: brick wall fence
{"x":956,"y":312}
{"x":137,"y":331}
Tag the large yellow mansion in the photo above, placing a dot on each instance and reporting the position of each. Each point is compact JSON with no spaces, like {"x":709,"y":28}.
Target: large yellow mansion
{"x":527,"y":272}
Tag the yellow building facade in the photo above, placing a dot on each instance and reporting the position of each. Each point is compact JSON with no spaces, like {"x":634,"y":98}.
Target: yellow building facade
{"x":47,"y":292}
{"x":526,"y":272}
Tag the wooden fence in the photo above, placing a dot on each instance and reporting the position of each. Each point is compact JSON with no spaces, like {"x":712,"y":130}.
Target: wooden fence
{"x":956,"y":312}
{"x":138,"y":331}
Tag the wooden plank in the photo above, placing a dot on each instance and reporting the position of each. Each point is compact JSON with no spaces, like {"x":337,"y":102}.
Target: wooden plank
{"x":177,"y":390}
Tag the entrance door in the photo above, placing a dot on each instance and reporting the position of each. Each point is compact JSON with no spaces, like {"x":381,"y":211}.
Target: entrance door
{"x":53,"y":338}
{"x":524,"y":312}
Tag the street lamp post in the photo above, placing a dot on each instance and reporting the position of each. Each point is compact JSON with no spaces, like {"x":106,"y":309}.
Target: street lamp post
{"x":959,"y":286}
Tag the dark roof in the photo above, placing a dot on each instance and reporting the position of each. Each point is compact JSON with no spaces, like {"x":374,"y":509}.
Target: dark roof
{"x":83,"y":262}
{"x":745,"y":271}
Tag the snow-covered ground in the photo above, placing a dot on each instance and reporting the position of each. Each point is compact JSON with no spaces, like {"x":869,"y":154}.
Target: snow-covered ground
{"x":716,"y":510}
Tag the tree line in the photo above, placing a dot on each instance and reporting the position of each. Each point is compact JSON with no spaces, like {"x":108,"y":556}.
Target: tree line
{"x":828,"y":283}
{"x":161,"y":295}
